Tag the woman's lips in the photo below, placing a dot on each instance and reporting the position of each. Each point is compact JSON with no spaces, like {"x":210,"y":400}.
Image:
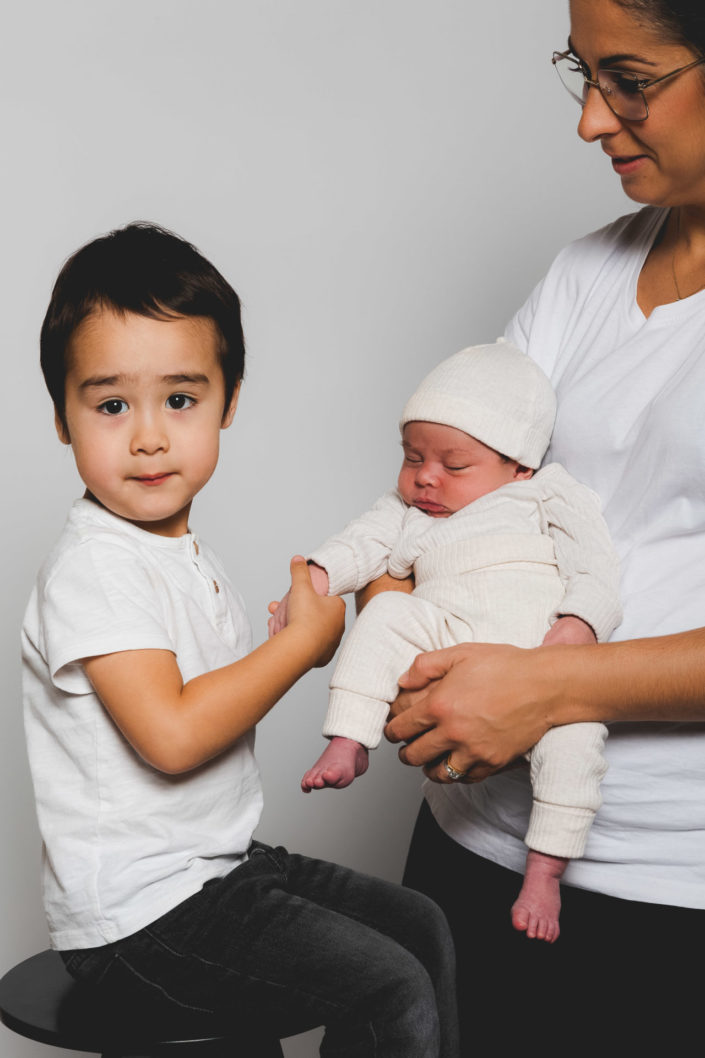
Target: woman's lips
{"x":623,"y":165}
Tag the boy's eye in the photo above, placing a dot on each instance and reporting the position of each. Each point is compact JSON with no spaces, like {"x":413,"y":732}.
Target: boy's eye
{"x":177,"y":401}
{"x":114,"y":406}
{"x":456,"y":468}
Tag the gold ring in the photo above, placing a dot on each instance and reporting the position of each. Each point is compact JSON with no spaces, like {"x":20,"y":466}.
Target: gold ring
{"x":452,"y":772}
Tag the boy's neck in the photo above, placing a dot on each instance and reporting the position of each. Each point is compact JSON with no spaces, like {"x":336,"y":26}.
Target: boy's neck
{"x":175,"y":526}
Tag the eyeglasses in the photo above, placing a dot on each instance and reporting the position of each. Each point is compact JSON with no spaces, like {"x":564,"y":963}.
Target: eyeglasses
{"x":623,"y":92}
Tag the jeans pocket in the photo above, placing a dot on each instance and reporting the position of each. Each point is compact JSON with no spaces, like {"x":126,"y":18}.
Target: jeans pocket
{"x":88,"y":964}
{"x":277,"y":857}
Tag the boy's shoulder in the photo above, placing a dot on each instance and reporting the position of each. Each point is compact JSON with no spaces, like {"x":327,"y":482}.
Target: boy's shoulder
{"x":88,"y":530}
{"x":106,"y":557}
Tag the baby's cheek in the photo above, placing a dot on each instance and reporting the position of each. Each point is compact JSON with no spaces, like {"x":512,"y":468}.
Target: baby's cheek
{"x":404,"y":485}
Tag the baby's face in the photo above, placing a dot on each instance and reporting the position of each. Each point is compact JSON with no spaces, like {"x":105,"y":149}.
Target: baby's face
{"x":144,"y":408}
{"x":445,"y":469}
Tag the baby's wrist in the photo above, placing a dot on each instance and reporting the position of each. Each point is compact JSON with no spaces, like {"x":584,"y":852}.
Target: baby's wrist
{"x":319,"y":578}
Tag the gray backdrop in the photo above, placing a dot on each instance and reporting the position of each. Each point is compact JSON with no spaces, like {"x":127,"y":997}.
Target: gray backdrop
{"x":383,"y":181}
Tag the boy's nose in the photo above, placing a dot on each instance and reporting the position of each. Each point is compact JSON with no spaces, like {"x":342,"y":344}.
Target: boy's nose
{"x":149,"y":436}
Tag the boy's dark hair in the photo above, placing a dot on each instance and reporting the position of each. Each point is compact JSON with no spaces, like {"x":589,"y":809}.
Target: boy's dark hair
{"x":149,"y":271}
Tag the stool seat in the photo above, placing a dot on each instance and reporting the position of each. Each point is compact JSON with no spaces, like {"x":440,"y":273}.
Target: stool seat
{"x":40,"y":1000}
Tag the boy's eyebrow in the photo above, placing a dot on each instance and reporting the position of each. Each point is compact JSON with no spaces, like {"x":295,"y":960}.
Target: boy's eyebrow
{"x":177,"y":379}
{"x":96,"y":381}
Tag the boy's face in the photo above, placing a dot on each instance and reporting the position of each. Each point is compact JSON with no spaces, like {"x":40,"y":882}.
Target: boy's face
{"x":144,"y":410}
{"x":445,"y":469}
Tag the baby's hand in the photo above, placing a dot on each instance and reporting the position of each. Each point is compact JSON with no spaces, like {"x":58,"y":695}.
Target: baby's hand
{"x":320,"y":617}
{"x":280,"y":610}
{"x":280,"y":615}
{"x":341,"y":761}
{"x":571,"y":630}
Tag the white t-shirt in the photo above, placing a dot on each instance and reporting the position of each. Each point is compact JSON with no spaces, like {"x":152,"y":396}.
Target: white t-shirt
{"x":631,"y":426}
{"x":123,"y":842}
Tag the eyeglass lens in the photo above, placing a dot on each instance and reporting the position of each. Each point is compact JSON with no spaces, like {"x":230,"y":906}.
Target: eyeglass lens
{"x":619,"y":90}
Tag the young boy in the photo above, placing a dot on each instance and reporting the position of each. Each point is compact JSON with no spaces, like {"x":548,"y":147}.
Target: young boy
{"x":142,"y":694}
{"x":498,"y":553}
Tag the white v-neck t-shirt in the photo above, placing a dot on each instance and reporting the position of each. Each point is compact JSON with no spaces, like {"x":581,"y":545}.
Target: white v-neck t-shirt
{"x":631,"y":426}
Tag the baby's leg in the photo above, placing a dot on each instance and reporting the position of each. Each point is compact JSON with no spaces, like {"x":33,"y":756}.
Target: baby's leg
{"x":341,"y":761}
{"x":538,"y":905}
{"x":386,"y":637}
{"x":566,"y":769}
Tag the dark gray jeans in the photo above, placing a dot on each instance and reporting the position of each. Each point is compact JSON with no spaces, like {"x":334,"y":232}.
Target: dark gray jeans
{"x":292,"y":943}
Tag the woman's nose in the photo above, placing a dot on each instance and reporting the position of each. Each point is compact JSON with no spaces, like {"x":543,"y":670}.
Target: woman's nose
{"x":597,"y":119}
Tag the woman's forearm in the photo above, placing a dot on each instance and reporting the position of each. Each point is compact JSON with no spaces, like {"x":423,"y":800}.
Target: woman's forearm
{"x":384,"y":583}
{"x":487,"y":704}
{"x":662,"y":678}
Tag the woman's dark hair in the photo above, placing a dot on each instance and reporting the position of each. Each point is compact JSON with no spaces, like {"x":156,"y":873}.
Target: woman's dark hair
{"x":680,"y":21}
{"x":149,"y":271}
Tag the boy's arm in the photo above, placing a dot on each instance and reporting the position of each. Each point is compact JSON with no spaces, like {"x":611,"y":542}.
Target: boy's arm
{"x":587,"y":562}
{"x":176,"y":726}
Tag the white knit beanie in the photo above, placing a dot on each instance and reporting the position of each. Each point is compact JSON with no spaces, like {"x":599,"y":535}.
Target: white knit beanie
{"x":495,"y":393}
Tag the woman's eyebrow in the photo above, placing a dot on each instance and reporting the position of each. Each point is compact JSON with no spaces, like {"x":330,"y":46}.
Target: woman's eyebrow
{"x":609,"y":60}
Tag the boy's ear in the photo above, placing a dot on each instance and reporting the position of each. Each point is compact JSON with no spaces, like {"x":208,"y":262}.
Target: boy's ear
{"x":230,"y":410}
{"x":61,"y":430}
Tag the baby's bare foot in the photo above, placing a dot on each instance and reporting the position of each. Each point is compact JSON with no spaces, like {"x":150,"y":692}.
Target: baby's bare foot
{"x":538,"y":905}
{"x":341,"y":761}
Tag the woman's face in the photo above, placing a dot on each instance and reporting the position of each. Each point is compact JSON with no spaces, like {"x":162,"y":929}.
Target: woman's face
{"x":660,"y":161}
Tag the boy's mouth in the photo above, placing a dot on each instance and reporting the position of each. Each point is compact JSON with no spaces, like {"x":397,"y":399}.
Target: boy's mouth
{"x":152,"y":479}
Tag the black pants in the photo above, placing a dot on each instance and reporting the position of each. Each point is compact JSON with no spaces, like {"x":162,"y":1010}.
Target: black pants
{"x":290,"y":942}
{"x":624,"y":977}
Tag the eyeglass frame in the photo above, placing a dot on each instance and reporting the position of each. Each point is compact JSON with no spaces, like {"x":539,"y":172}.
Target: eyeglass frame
{"x":640,"y":83}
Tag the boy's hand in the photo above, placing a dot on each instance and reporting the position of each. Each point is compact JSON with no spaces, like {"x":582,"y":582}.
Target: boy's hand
{"x":280,"y":610}
{"x":321,"y":617}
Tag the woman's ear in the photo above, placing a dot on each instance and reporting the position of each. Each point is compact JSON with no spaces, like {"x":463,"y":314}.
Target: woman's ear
{"x":229,"y":412}
{"x":61,"y":429}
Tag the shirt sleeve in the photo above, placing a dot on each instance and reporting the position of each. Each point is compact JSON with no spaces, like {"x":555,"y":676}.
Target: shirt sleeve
{"x":587,"y":561}
{"x":360,"y":553}
{"x":518,"y":330}
{"x":98,"y":600}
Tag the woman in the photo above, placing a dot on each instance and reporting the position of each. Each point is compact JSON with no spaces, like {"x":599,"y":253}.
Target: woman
{"x":619,"y":325}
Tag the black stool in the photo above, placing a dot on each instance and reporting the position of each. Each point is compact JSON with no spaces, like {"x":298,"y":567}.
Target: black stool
{"x":39,"y":999}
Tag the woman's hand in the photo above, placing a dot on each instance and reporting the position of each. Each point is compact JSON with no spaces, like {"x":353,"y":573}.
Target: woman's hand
{"x":485,"y":704}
